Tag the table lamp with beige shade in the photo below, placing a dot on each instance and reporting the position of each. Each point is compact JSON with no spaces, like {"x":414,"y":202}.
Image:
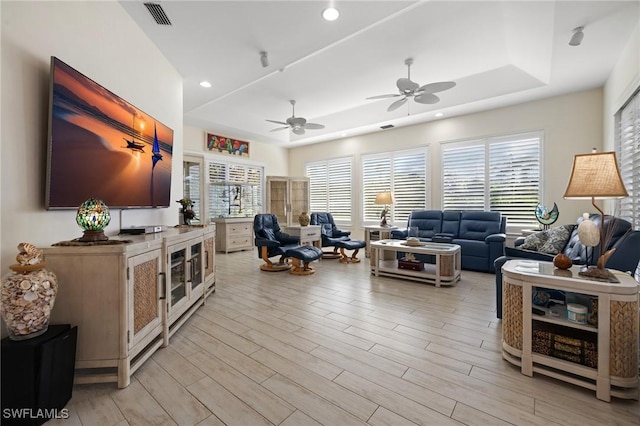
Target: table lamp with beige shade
{"x":384,"y":198}
{"x":596,"y":176}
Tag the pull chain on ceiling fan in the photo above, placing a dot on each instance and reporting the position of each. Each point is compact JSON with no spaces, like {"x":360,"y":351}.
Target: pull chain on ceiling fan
{"x":411,"y":89}
{"x":296,"y":124}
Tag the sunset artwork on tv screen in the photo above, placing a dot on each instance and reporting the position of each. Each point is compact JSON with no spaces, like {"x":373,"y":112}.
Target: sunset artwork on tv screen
{"x":103,"y":147}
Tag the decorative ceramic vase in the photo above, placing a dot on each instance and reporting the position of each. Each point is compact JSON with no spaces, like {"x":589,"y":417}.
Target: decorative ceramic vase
{"x":304,"y":219}
{"x":28,"y":295}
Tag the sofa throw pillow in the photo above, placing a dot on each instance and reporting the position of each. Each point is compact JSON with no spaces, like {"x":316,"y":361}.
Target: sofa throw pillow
{"x":535,"y":241}
{"x":558,"y":238}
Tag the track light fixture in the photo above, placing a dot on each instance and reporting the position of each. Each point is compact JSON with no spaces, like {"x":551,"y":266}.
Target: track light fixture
{"x":577,"y":37}
{"x":264,"y":59}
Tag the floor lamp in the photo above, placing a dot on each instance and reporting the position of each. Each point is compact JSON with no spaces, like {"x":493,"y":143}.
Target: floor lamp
{"x":596,"y":176}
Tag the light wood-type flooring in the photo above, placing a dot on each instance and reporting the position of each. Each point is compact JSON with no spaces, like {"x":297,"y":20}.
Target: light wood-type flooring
{"x":339,"y":347}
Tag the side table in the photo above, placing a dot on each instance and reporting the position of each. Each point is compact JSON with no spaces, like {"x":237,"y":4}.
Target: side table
{"x":601,"y":356}
{"x":37,"y":376}
{"x":377,"y":233}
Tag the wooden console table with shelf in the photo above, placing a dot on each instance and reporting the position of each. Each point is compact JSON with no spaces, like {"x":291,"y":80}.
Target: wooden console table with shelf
{"x":614,"y":336}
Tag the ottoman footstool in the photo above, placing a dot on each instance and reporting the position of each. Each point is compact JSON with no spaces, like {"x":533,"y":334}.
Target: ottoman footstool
{"x":354,"y":245}
{"x":300,"y":258}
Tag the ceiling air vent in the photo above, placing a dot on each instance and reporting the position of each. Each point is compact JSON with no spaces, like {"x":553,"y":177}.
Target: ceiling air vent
{"x":158,"y":13}
{"x":387,"y":126}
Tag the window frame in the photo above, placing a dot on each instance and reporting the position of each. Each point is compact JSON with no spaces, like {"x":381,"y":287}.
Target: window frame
{"x":488,"y":197}
{"x":339,"y":208}
{"x":396,"y":216}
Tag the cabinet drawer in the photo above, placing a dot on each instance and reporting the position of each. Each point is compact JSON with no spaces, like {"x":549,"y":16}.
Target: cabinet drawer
{"x":310,"y":234}
{"x":237,"y":242}
{"x":239,"y":229}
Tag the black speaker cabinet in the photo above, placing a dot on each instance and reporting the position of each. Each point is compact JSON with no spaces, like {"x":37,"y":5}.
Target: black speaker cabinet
{"x":37,"y":376}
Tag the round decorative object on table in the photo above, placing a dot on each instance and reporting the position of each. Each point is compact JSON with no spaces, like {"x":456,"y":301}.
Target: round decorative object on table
{"x":588,"y":232}
{"x":304,"y":219}
{"x":562,"y":261}
{"x":545,"y":216}
{"x":93,"y":216}
{"x":28,"y":295}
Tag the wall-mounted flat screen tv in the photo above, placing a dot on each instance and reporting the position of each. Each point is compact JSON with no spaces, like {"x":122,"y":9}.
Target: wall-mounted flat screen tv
{"x":101,"y":146}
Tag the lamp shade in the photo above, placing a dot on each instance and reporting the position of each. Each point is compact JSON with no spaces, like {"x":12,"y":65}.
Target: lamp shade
{"x":93,"y":216}
{"x":385,"y":197}
{"x":595,"y":176}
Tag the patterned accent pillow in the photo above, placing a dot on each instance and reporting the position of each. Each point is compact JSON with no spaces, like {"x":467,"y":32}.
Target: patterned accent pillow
{"x":558,"y":238}
{"x":535,"y":241}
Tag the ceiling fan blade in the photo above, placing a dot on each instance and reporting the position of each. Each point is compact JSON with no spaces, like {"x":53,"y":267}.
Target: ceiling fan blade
{"x":277,"y":122}
{"x":437,"y":87}
{"x":313,"y":126}
{"x":426,"y":98}
{"x":405,"y":85}
{"x":394,"y":95}
{"x":298,"y":130}
{"x":397,"y":104}
{"x":279,"y":128}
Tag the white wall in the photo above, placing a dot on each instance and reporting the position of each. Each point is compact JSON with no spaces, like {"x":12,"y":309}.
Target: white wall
{"x":571,"y":123}
{"x":622,"y":83}
{"x":274,"y":158}
{"x":100,"y":40}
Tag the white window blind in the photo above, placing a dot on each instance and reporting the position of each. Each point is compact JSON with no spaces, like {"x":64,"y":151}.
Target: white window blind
{"x":628,"y":147}
{"x":222,"y":177}
{"x":500,"y":174}
{"x":330,"y":187}
{"x":404,"y":173}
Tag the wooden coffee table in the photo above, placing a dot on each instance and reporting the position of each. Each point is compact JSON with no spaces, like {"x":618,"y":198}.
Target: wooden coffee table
{"x":445,"y":271}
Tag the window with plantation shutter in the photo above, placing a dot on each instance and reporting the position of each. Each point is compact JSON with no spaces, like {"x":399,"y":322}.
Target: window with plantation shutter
{"x":628,"y":152}
{"x":500,"y":174}
{"x":222,"y":178}
{"x":330,"y":187}
{"x":404,"y":173}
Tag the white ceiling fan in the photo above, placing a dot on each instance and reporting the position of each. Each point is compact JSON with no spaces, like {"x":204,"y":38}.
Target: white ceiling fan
{"x":411,"y":89}
{"x":296,"y":124}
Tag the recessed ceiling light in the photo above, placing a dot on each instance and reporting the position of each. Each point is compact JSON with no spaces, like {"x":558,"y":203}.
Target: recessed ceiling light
{"x":330,"y":14}
{"x":343,"y":134}
{"x":205,"y":84}
{"x":439,"y":114}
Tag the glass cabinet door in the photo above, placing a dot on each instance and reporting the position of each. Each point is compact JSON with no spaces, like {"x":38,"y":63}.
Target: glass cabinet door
{"x":191,"y":188}
{"x":178,"y":276}
{"x":195,"y":263}
{"x":279,"y":199}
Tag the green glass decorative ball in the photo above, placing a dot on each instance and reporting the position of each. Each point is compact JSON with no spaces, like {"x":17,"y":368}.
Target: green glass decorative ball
{"x":93,"y":215}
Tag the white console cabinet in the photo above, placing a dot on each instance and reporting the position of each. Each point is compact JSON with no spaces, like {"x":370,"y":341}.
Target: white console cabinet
{"x":128,"y":298}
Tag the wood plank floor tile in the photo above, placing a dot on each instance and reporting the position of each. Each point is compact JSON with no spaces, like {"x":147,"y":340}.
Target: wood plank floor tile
{"x":311,"y":404}
{"x":230,"y":409}
{"x":183,"y":408}
{"x":339,"y":347}
{"x":251,"y":393}
{"x":321,"y":386}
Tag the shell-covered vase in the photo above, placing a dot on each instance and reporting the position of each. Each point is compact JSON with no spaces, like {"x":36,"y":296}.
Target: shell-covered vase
{"x":28,"y":294}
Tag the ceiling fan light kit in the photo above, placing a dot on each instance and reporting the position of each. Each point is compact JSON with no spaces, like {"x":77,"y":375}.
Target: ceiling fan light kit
{"x":296,"y":124}
{"x":410,"y":89}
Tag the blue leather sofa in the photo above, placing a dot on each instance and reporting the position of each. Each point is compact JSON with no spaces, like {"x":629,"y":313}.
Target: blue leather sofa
{"x":481,"y":235}
{"x":623,"y":238}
